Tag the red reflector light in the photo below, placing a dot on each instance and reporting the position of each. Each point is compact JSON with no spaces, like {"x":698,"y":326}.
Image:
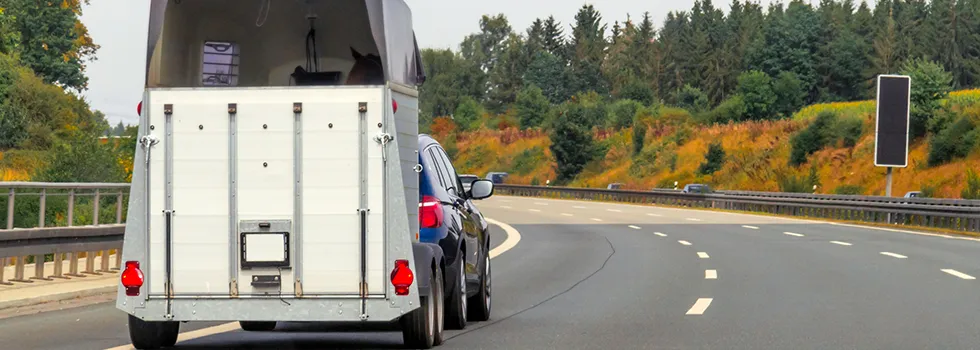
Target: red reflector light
{"x":132,"y":278}
{"x":430,"y":212}
{"x":402,"y":277}
{"x":139,"y":108}
{"x":394,"y":106}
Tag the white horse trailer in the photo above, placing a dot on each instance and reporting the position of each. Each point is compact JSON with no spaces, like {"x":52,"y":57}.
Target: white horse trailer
{"x":271,"y":186}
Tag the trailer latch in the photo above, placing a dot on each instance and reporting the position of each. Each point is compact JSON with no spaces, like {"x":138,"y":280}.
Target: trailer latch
{"x":266,"y":281}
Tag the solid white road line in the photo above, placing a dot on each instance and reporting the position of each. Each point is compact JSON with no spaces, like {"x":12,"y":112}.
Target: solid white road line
{"x":660,"y":234}
{"x":692,"y":219}
{"x":959,"y":274}
{"x":614,"y":210}
{"x":684,"y":242}
{"x":513,"y":236}
{"x":792,"y":234}
{"x":534,"y":210}
{"x":566,"y":214}
{"x":654,"y":215}
{"x":578,"y":207}
{"x":594,"y":219}
{"x":710,"y":274}
{"x":899,"y":256}
{"x":750,"y":227}
{"x":699,"y":306}
{"x":840,"y":243}
{"x":703,"y":255}
{"x":635,"y":227}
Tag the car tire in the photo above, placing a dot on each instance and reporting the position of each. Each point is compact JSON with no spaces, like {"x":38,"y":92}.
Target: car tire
{"x":479,"y":304}
{"x":152,"y":335}
{"x":456,"y":304}
{"x":257,"y":326}
{"x":422,"y":328}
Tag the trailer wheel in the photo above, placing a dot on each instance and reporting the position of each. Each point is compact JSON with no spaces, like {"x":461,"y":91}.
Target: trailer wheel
{"x":152,"y":335}
{"x":422,"y":328}
{"x":257,"y":326}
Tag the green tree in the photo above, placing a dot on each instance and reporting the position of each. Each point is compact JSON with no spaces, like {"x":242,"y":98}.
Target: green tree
{"x":691,"y":99}
{"x":812,"y":139}
{"x":572,"y":143}
{"x":623,"y":112}
{"x":588,"y":48}
{"x":714,"y":160}
{"x":82,"y":158}
{"x":506,"y":78}
{"x":532,"y":107}
{"x":468,"y":113}
{"x":789,"y":94}
{"x":548,"y":72}
{"x":930,"y":85}
{"x":449,"y":79}
{"x":955,"y":141}
{"x":639,"y":136}
{"x":755,"y":87}
{"x":54,"y":43}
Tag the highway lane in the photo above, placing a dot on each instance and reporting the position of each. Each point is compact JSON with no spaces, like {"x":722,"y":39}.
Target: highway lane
{"x":591,"y":275}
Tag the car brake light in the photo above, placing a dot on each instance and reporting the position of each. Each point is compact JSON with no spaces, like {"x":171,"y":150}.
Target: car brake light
{"x":402,"y":277}
{"x":139,"y":108}
{"x":430,"y":212}
{"x":132,"y":278}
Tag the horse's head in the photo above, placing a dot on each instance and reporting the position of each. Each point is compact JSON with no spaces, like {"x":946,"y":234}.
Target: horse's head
{"x":367,"y":70}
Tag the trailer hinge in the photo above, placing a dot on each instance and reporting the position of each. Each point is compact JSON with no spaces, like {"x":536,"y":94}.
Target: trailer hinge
{"x":233,"y":287}
{"x":298,"y":288}
{"x":364,"y":289}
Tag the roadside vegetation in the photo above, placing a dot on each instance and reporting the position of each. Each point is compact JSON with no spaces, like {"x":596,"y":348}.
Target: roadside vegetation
{"x":774,"y":99}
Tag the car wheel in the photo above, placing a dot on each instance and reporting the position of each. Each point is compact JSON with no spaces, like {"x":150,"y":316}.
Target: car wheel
{"x":456,"y":304}
{"x":479,"y":305}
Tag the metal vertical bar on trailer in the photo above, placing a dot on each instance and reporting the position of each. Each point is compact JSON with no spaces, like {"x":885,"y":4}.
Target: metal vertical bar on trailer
{"x":168,"y":208}
{"x":362,"y":191}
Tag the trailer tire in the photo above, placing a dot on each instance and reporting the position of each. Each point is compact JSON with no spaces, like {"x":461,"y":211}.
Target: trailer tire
{"x":257,"y":326}
{"x":152,"y":335}
{"x":422,"y":328}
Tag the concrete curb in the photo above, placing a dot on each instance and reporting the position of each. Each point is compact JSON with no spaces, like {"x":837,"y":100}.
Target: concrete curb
{"x":6,"y":305}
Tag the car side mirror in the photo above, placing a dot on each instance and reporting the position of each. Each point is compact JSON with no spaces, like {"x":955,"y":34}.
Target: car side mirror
{"x":481,"y":189}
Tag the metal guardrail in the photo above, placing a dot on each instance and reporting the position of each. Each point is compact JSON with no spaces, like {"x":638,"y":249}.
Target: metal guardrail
{"x":62,"y":204}
{"x":949,"y":214}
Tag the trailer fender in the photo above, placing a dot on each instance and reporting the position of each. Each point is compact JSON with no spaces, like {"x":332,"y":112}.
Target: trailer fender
{"x":426,"y":254}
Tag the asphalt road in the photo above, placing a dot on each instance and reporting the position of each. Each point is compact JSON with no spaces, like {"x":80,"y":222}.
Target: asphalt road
{"x":595,"y":275}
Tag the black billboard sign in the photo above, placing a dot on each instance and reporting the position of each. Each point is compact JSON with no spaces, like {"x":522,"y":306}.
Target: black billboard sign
{"x":892,"y":121}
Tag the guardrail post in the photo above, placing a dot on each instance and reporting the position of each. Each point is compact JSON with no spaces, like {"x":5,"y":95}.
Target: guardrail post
{"x":90,"y":263}
{"x":119,"y":207}
{"x":59,"y":262}
{"x":118,"y":259}
{"x":73,"y":265}
{"x":43,"y":199}
{"x":39,"y":268}
{"x":71,"y":207}
{"x":3,"y":266}
{"x":19,"y":271}
{"x":105,"y":262}
{"x":10,"y":209}
{"x":95,"y":207}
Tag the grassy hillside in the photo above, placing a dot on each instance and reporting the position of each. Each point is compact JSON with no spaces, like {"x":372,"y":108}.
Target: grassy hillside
{"x":756,"y":155}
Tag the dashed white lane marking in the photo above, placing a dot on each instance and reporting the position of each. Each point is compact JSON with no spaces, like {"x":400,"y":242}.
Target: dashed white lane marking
{"x":899,"y":256}
{"x":566,"y":214}
{"x":578,"y":207}
{"x":792,"y":234}
{"x":635,"y":227}
{"x":692,"y":219}
{"x":710,"y":274}
{"x":534,"y":210}
{"x":614,"y":210}
{"x":959,"y":274}
{"x":654,"y":215}
{"x":841,"y":243}
{"x":539,"y":203}
{"x":703,"y":255}
{"x":594,"y":219}
{"x":684,"y":242}
{"x":505,"y":200}
{"x":699,"y":306}
{"x":750,"y":227}
{"x":505,"y":207}
{"x":661,"y":234}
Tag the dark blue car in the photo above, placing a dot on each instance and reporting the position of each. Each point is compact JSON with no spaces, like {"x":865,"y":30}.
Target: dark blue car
{"x":448,"y":217}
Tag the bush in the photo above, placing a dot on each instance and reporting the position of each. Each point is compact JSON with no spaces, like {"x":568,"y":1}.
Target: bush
{"x":525,"y":162}
{"x":955,"y":141}
{"x":789,"y":94}
{"x":731,"y":110}
{"x":930,"y":85}
{"x":532,"y":107}
{"x":468,"y":113}
{"x":849,"y":189}
{"x":713,"y":160}
{"x":972,"y":190}
{"x":572,"y":143}
{"x":623,"y":112}
{"x":691,"y":99}
{"x":811,"y":139}
{"x":639,"y":136}
{"x":849,"y":130}
{"x":798,"y":184}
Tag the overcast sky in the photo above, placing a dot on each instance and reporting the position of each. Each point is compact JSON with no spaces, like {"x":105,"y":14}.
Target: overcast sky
{"x":116,"y":78}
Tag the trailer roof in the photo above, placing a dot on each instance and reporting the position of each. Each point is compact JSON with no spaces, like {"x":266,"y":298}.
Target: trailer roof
{"x":391,"y":27}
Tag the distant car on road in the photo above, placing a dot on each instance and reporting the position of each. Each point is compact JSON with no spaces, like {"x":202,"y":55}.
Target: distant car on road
{"x":696,"y":188}
{"x":467,"y":180}
{"x":614,"y":186}
{"x":497,"y":177}
{"x":914,"y":194}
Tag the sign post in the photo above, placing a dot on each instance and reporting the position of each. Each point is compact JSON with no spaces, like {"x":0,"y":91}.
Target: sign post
{"x":892,"y":124}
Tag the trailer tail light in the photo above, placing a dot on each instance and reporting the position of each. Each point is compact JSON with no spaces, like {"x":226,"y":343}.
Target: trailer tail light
{"x":394,"y":106}
{"x":430,"y":212}
{"x":132,"y":278}
{"x":139,"y":108}
{"x":402,"y":277}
